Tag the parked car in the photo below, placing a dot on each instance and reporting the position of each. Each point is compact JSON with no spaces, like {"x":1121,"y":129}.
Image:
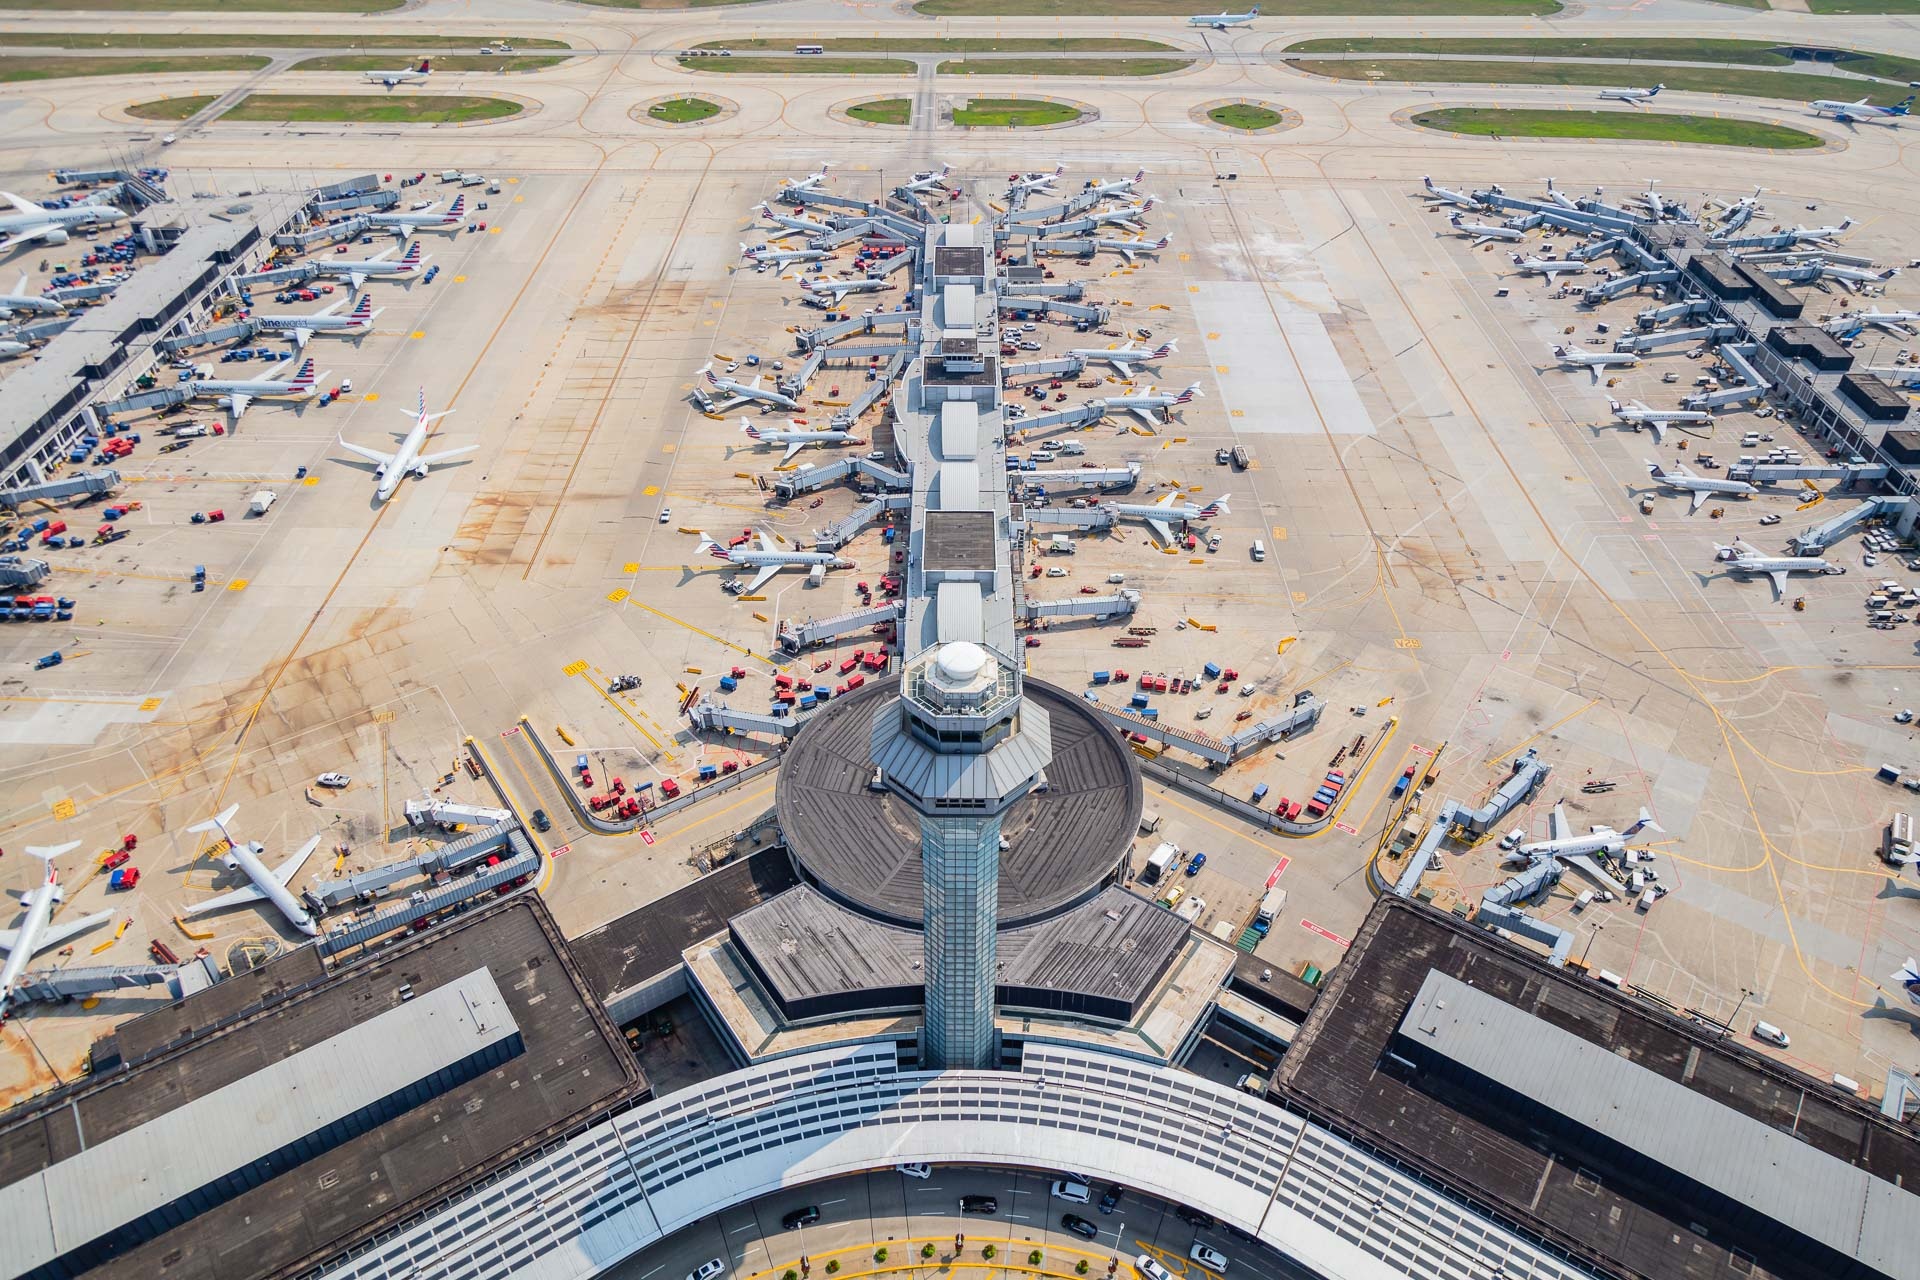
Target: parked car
{"x":1209,"y":1257}
{"x":797,"y":1218}
{"x":915,"y":1169}
{"x":1078,"y":1225}
{"x":333,"y":780}
{"x":979,"y":1204}
{"x":707,"y":1270}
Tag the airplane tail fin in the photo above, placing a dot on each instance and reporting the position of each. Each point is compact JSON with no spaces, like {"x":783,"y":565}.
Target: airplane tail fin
{"x":412,"y":256}
{"x":1904,"y":106}
{"x":48,"y":852}
{"x":304,"y":377}
{"x":749,"y":430}
{"x":456,"y":209}
{"x":1191,"y":393}
{"x":1164,"y":350}
{"x":1645,"y":823}
{"x":1654,"y":92}
{"x":1218,"y":507}
{"x":363,"y":309}
{"x":425,"y":67}
{"x":1613,"y":406}
{"x":218,"y":821}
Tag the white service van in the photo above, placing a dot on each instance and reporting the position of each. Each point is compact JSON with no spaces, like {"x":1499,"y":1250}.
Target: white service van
{"x":1258,"y":550}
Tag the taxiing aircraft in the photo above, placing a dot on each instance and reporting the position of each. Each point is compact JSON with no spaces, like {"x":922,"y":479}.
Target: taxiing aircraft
{"x":742,"y":392}
{"x":1482,"y":232}
{"x":236,"y":394}
{"x":929,"y":180}
{"x":1221,"y":21}
{"x":1909,"y":979}
{"x":353,"y":324}
{"x":1124,"y":358}
{"x":270,"y":884}
{"x":1639,"y":415}
{"x":405,"y":75}
{"x":36,"y":932}
{"x":795,"y":441}
{"x":788,"y":224}
{"x":405,"y":224}
{"x":1444,"y":196}
{"x":766,"y":561}
{"x":391,"y":468}
{"x":1149,"y":407}
{"x":1898,"y":323}
{"x":1593,"y":361}
{"x":1561,"y":842}
{"x":21,"y":300}
{"x":829,"y":289}
{"x":1743,"y":559}
{"x":1159,"y":516}
{"x":1863,"y":110}
{"x":1700,"y":487}
{"x":1548,"y":267}
{"x":29,"y":221}
{"x":361,"y":270}
{"x":1022,"y":183}
{"x":1127,"y":248}
{"x":1634,"y":96}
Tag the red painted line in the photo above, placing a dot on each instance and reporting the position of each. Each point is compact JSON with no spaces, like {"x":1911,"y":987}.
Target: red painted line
{"x":554,"y":853}
{"x":647,"y":836}
{"x":1279,"y":869}
{"x":510,"y":732}
{"x":1341,"y":826}
{"x":1311,"y":927}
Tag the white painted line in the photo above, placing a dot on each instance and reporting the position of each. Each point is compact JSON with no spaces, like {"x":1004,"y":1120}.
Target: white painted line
{"x":841,"y":1200}
{"x":645,"y":1274}
{"x":1019,"y":1216}
{"x":737,"y":1230}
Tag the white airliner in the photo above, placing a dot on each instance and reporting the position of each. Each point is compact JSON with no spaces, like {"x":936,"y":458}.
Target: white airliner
{"x":795,"y":441}
{"x":767,"y":561}
{"x":405,"y":224}
{"x":1560,"y":197}
{"x":1149,"y":407}
{"x":780,"y":257}
{"x":1021,"y":183}
{"x":1119,"y":186}
{"x":1656,"y":420}
{"x":1909,"y":979}
{"x":236,"y":394}
{"x":29,"y":221}
{"x":1734,"y":216}
{"x":1127,"y":215}
{"x":1159,"y":516}
{"x":21,"y":300}
{"x":405,"y":75}
{"x":353,"y":324}
{"x":1822,"y":235}
{"x":1444,"y":196}
{"x":830,"y":289}
{"x":807,"y":183}
{"x":1856,"y":112}
{"x":1548,"y":267}
{"x":1561,"y":842}
{"x":1899,"y":323}
{"x":379,"y":266}
{"x":789,"y":225}
{"x":1593,"y":361}
{"x":1221,"y":21}
{"x":35,"y":933}
{"x":391,"y":468}
{"x":1125,"y":358}
{"x":1700,"y":487}
{"x":1743,"y":559}
{"x":268,"y":884}
{"x":1656,"y":204}
{"x":10,"y":347}
{"x":1635,"y":96}
{"x":743,"y":392}
{"x":1127,"y":248}
{"x":1482,"y":232}
{"x":929,"y":180}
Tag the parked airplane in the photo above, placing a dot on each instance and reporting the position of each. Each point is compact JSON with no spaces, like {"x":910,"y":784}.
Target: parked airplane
{"x":361,"y":270}
{"x":1444,"y":196}
{"x":1159,"y":516}
{"x":1121,"y":186}
{"x":766,"y":561}
{"x":1561,"y":842}
{"x":1548,"y":267}
{"x":1124,"y":358}
{"x":807,"y":183}
{"x":1863,"y":110}
{"x":36,"y":932}
{"x":1658,"y":205}
{"x":1484,"y":232}
{"x":1149,"y":407}
{"x":405,"y":224}
{"x":1127,"y":215}
{"x":1560,"y":197}
{"x":268,"y":884}
{"x":10,"y":347}
{"x":1898,"y":323}
{"x":353,"y":324}
{"x":795,"y":440}
{"x":405,"y":75}
{"x":1593,"y":361}
{"x":1127,"y":248}
{"x":829,"y":290}
{"x":1743,"y":559}
{"x":1699,"y":486}
{"x":929,"y":180}
{"x":1222,"y":20}
{"x":791,"y":225}
{"x":21,"y":300}
{"x":29,"y":221}
{"x":781,"y":257}
{"x":1020,"y":184}
{"x":1909,"y":979}
{"x":391,"y":468}
{"x":1734,"y":216}
{"x":1822,"y":235}
{"x":236,"y":394}
{"x":742,"y":392}
{"x":1635,"y":96}
{"x":1656,"y":420}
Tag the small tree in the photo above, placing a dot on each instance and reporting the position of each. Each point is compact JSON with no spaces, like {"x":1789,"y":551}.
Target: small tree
{"x":1080,"y":1267}
{"x":833,"y":1265}
{"x":926,"y":1250}
{"x":1033,"y":1259}
{"x":880,"y":1254}
{"x":791,"y":1275}
{"x":989,"y":1252}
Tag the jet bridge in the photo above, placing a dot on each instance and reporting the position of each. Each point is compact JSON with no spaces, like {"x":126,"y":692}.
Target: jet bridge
{"x":1075,"y":248}
{"x":23,"y":571}
{"x":1686,"y":309}
{"x":1082,"y":477}
{"x":828,"y":199}
{"x":77,"y":484}
{"x":1641,"y":343}
{"x":236,"y":332}
{"x":898,"y":262}
{"x":1067,"y":367}
{"x":1070,"y":289}
{"x":871,"y":391}
{"x":1092,"y":519}
{"x":375,"y":199}
{"x":1424,"y":853}
{"x":430,"y":811}
{"x":708,"y":715}
{"x":796,"y":637}
{"x":1735,"y":354}
{"x":807,"y":479}
{"x":469,"y":850}
{"x":44,"y":330}
{"x":1778,"y":240}
{"x":859,"y":230}
{"x":1080,"y":415}
{"x":1608,"y":290}
{"x":827,"y":334}
{"x":1899,"y":511}
{"x":1767,"y":473}
{"x":57,"y":985}
{"x":1119,"y":605}
{"x":85,"y":292}
{"x":1303,"y":715}
{"x":796,"y":382}
{"x":848,"y":527}
{"x":1528,"y":774}
{"x":1498,"y":912}
{"x":1093,"y":315}
{"x":330,"y":233}
{"x":279,"y":275}
{"x":1217,"y":751}
{"x":157,"y":399}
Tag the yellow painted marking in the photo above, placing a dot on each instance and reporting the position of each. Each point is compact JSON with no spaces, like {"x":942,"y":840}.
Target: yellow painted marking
{"x":493,"y":231}
{"x":1219,"y":368}
{"x":459,"y":279}
{"x":1183,"y":257}
{"x":574,"y":668}
{"x":750,"y":600}
{"x":1213,"y":337}
{"x":372,"y":396}
{"x":1406,"y":642}
{"x":669,"y":448}
{"x":617,"y":594}
{"x":650,"y":490}
{"x":418,"y":333}
{"x":64,"y":809}
{"x":518,"y":199}
{"x":515,"y":182}
{"x":1193,"y":288}
{"x":238,"y":584}
{"x":715,"y":303}
{"x":1239,"y":413}
{"x":310,"y":481}
{"x":1279,"y":533}
{"x":151,"y":704}
{"x":630,"y":567}
{"x":1299,"y":597}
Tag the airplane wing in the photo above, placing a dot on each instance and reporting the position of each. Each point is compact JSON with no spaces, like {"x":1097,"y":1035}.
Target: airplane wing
{"x":1161,"y":530}
{"x":733,"y":403}
{"x":301,"y":337}
{"x":371,"y":455}
{"x":356,"y":280}
{"x":793,"y":447}
{"x":1659,"y":430}
{"x":250,"y":893}
{"x":1124,"y":369}
{"x":435,"y":459}
{"x":33,"y":233}
{"x":1699,"y":496}
{"x":763,"y":542}
{"x":1557,"y":823}
{"x":761,"y":578}
{"x":240,"y":401}
{"x":1594,"y":370}
{"x":1779,"y":577}
{"x":286,"y":871}
{"x":1127,"y":254}
{"x":55,"y":934}
{"x":1145,"y":415}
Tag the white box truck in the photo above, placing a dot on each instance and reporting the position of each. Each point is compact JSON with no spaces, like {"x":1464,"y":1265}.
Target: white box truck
{"x":1271,"y":906}
{"x":262,"y":500}
{"x":1164,"y":856}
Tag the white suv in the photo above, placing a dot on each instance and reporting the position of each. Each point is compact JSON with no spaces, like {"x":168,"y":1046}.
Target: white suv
{"x":1076,"y":1192}
{"x":1209,"y":1257}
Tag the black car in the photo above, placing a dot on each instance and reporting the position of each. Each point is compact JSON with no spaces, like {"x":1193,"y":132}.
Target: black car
{"x":800,"y":1218}
{"x":1078,"y":1225}
{"x":1111,"y":1200}
{"x":979,"y":1204}
{"x":1194,"y":1217}
{"x":540,"y":822}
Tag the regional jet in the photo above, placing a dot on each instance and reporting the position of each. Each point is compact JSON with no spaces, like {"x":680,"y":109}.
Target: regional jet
{"x":21,"y":300}
{"x":1444,"y":196}
{"x":1123,"y":186}
{"x":1822,"y":235}
{"x":355,"y":323}
{"x":1149,"y":407}
{"x":1561,"y":842}
{"x":270,"y":884}
{"x":795,"y":441}
{"x":929,"y":180}
{"x":1560,"y":197}
{"x":766,"y":561}
{"x":29,"y":221}
{"x":236,"y":395}
{"x":792,"y":225}
{"x":36,"y":932}
{"x":1898,"y":323}
{"x":1634,"y":96}
{"x":781,"y":257}
{"x":1736,"y":215}
{"x":11,"y":347}
{"x":1638,"y":415}
{"x":357,"y":272}
{"x":1482,"y":232}
{"x":1593,"y":361}
{"x":829,"y":290}
{"x":798,"y":186}
{"x":391,"y":468}
{"x":1124,"y":358}
{"x":1743,"y":559}
{"x":1548,"y":267}
{"x":1222,"y":20}
{"x":1699,"y":486}
{"x":1021,"y":184}
{"x":742,"y":392}
{"x":405,"y":224}
{"x":405,"y":75}
{"x":1127,"y":248}
{"x":1857,"y":112}
{"x":1127,"y":215}
{"x":1159,"y":516}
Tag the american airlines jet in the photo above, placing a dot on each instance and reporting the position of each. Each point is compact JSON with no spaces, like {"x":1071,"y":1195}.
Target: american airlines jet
{"x":405,"y":75}
{"x":1443,"y":196}
{"x":1124,"y":358}
{"x":1119,"y":186}
{"x":1593,"y":361}
{"x":1548,"y":267}
{"x":378,"y":267}
{"x":742,"y":392}
{"x":1699,"y":487}
{"x":1561,"y":842}
{"x":1159,"y":516}
{"x":1021,"y":184}
{"x":405,"y":224}
{"x":355,"y":323}
{"x":270,"y":884}
{"x":929,"y":180}
{"x":766,"y":561}
{"x":827,"y":290}
{"x":795,"y":441}
{"x":1483,"y":232}
{"x":780,"y":257}
{"x":391,"y":468}
{"x":1127,"y":248}
{"x":29,"y":221}
{"x":36,"y":932}
{"x":1150,"y":406}
{"x":235,"y":395}
{"x":807,"y":183}
{"x":21,"y":300}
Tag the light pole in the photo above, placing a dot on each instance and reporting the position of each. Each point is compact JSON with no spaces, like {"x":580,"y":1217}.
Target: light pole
{"x":1728,"y":1029}
{"x":1597,"y":927}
